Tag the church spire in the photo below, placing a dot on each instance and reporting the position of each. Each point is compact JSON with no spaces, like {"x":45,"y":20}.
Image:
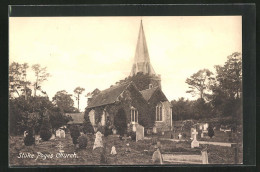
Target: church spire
{"x":142,"y":59}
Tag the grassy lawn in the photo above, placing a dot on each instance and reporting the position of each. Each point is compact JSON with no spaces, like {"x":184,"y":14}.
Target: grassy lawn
{"x":141,"y":152}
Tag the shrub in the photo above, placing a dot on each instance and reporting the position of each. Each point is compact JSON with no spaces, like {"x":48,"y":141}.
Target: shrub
{"x":87,"y":126}
{"x":210,"y":132}
{"x":83,"y":141}
{"x":107,"y":131}
{"x":132,"y":134}
{"x":29,"y":138}
{"x":74,"y":133}
{"x":45,"y":131}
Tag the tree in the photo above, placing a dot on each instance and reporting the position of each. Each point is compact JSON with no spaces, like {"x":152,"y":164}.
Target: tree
{"x":229,"y":76}
{"x":78,"y":91}
{"x":74,"y":133}
{"x":17,"y":79}
{"x":41,"y":76}
{"x":64,"y":101}
{"x":58,"y":119}
{"x":227,"y":90}
{"x":45,"y":132}
{"x":199,"y":83}
{"x":181,"y":109}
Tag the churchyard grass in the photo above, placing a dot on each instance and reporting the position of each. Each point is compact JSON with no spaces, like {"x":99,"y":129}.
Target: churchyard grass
{"x":140,"y":154}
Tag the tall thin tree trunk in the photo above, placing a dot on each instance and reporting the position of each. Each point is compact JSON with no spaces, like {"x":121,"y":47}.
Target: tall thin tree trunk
{"x":78,"y":101}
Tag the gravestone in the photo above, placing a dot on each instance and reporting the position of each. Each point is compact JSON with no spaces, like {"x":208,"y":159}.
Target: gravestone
{"x":191,"y":131}
{"x":194,"y":142}
{"x":52,"y":137}
{"x":204,"y":154}
{"x":60,"y":147}
{"x":58,"y":133}
{"x":157,"y":156}
{"x":62,"y":134}
{"x":154,"y":130}
{"x":139,"y":132}
{"x":127,"y":148}
{"x":98,"y":140}
{"x":37,"y":139}
{"x":179,"y":136}
{"x":25,"y":133}
{"x":202,"y":135}
{"x":113,"y":150}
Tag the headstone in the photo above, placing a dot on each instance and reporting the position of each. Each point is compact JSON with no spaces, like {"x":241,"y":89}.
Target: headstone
{"x":113,"y":150}
{"x":194,"y":142}
{"x":52,"y":137}
{"x":98,"y":140}
{"x":202,"y":135}
{"x":204,"y":154}
{"x":179,"y":136}
{"x":154,"y":130}
{"x":62,"y":134}
{"x":134,"y":128}
{"x":25,"y":133}
{"x":163,"y":133}
{"x":127,"y":148}
{"x":192,"y":135}
{"x":58,"y":133}
{"x":37,"y":139}
{"x":139,"y":132}
{"x":157,"y":156}
{"x":114,"y":131}
{"x":206,"y":126}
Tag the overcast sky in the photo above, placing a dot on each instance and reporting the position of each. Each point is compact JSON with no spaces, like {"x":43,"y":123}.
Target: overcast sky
{"x":96,"y":52}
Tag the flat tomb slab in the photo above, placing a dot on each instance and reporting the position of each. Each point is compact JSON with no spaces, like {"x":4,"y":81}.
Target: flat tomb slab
{"x":184,"y":159}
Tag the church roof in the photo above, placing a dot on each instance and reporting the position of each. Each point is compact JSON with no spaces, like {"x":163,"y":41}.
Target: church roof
{"x":77,"y":118}
{"x":142,"y":59}
{"x":107,"y":96}
{"x":147,"y":94}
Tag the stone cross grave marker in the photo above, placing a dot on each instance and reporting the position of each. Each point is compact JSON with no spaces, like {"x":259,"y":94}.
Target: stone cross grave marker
{"x":179,"y":136}
{"x":194,"y":142}
{"x":139,"y":132}
{"x":98,"y":140}
{"x":60,"y":147}
{"x":62,"y":134}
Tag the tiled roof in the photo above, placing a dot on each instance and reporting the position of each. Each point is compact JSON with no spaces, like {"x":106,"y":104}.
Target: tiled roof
{"x":147,"y":94}
{"x":77,"y":118}
{"x":107,"y":96}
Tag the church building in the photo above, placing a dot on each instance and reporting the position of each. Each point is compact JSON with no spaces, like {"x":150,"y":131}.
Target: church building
{"x":137,"y":100}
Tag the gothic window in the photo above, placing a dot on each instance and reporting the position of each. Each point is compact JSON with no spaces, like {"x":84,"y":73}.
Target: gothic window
{"x":134,"y":115}
{"x":159,"y":112}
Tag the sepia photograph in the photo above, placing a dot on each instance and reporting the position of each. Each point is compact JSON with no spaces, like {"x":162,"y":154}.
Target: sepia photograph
{"x":125,"y":90}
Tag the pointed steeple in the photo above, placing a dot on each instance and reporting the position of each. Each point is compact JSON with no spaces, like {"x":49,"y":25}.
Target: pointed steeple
{"x":142,"y":59}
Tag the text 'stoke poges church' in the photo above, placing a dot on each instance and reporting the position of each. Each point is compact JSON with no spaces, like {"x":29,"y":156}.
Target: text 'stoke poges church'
{"x":137,"y":100}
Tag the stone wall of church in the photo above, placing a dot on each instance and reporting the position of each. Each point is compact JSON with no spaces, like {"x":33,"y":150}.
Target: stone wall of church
{"x":166,"y":123}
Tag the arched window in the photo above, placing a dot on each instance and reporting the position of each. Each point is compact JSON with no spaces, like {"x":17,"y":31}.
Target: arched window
{"x":134,"y":115}
{"x":159,"y":112}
